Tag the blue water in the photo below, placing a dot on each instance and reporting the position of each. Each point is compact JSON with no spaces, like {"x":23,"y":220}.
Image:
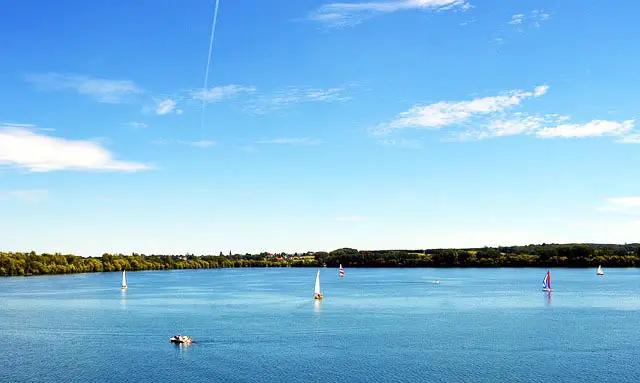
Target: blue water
{"x":375,"y":325}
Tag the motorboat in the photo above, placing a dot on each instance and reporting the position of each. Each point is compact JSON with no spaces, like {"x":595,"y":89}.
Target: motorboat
{"x":182,"y":339}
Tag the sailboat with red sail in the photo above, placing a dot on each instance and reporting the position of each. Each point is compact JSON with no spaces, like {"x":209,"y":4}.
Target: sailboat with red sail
{"x":546,"y":282}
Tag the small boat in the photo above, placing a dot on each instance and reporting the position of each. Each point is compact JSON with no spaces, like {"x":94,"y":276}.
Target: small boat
{"x":124,"y":280}
{"x":341,"y":271}
{"x":182,"y":339}
{"x":600,"y":272}
{"x":546,"y":282}
{"x":317,"y":294}
{"x":436,"y":282}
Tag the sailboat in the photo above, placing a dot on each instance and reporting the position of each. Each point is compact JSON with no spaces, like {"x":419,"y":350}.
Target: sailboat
{"x":546,"y":282}
{"x":341,"y":271}
{"x":317,"y":294}
{"x":600,"y":272}
{"x":124,"y":280}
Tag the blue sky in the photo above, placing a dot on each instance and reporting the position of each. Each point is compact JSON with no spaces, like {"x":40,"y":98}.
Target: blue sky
{"x":398,"y":124}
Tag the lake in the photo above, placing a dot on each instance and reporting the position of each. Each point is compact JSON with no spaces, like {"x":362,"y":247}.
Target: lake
{"x":375,"y":325}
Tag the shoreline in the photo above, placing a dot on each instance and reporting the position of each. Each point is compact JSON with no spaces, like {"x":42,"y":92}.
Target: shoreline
{"x":320,"y":267}
{"x":530,"y":256}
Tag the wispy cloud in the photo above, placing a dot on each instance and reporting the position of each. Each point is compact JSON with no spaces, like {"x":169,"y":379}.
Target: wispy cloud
{"x":23,"y":148}
{"x":494,"y":116}
{"x":166,"y":106}
{"x":632,"y":138}
{"x":629,"y":205}
{"x":545,"y":126}
{"x":137,"y":125}
{"x":26,"y":126}
{"x":533,"y":19}
{"x":25,"y":195}
{"x":220,"y":93}
{"x":595,"y":128}
{"x":294,"y":95}
{"x":517,"y":19}
{"x":291,"y":141}
{"x":445,"y":113}
{"x":103,"y":90}
{"x":337,"y":15}
{"x":250,"y":98}
{"x":509,"y":124}
{"x":196,"y":144}
{"x":349,"y":219}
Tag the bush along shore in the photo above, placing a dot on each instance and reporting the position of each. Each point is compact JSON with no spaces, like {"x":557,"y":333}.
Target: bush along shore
{"x":545,"y":255}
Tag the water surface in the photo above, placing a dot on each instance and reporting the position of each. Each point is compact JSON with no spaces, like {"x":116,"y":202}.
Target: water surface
{"x":375,"y":325}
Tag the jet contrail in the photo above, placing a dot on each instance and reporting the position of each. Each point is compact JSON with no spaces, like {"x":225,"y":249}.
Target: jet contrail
{"x":206,"y":74}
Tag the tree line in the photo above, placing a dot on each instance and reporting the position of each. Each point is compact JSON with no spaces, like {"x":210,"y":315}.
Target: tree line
{"x":544,"y":255}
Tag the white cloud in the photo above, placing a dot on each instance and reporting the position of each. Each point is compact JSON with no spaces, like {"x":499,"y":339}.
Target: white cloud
{"x":293,"y":95}
{"x":25,"y":195}
{"x":348,"y":14}
{"x":291,"y":141}
{"x":622,"y":205}
{"x":632,"y":138}
{"x":349,"y":219}
{"x":137,"y":125}
{"x":165,"y":107}
{"x":220,"y":93}
{"x":595,"y":128}
{"x":103,"y":90}
{"x":23,"y":148}
{"x":446,"y":113}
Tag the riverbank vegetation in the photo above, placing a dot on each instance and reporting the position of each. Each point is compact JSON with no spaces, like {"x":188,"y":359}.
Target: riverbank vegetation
{"x":545,"y":255}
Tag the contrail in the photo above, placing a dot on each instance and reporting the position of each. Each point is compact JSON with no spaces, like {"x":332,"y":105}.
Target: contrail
{"x":206,"y":74}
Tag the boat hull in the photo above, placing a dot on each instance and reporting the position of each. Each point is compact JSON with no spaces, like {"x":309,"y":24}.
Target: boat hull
{"x":317,"y":296}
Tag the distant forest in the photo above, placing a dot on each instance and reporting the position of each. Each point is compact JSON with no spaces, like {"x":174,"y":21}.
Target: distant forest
{"x":545,"y":255}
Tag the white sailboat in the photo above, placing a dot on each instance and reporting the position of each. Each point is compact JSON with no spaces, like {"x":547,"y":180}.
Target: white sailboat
{"x":317,"y":294}
{"x":124,"y":280}
{"x":341,"y":271}
{"x":600,"y":272}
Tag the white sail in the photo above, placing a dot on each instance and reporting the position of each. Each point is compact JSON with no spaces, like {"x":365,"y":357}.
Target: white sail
{"x":317,"y":290}
{"x":600,"y":272}
{"x":124,"y":279}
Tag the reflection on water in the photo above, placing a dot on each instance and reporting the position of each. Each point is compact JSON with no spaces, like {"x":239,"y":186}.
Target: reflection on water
{"x":123,"y":298}
{"x":548,"y":300}
{"x":316,"y":305}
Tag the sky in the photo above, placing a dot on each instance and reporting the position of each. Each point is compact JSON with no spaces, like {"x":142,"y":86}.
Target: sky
{"x":399,"y":124}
